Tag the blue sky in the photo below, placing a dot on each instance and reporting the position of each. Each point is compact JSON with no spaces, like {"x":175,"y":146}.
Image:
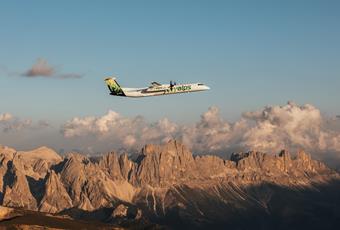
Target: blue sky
{"x":251,"y":54}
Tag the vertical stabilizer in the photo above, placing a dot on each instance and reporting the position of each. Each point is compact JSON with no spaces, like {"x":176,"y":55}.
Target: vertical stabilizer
{"x":114,"y":87}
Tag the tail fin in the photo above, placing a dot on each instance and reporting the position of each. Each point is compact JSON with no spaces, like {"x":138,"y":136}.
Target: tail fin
{"x":114,"y":87}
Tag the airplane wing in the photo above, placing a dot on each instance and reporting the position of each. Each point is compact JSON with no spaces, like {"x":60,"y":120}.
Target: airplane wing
{"x":155,"y":87}
{"x":154,"y":84}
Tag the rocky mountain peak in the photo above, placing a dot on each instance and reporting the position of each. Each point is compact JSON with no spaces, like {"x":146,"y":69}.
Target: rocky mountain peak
{"x":271,"y":163}
{"x":110,"y":163}
{"x":127,"y":168}
{"x":172,"y":148}
{"x":286,"y":160}
{"x":163,"y":178}
{"x":7,"y":151}
{"x":303,"y":156}
{"x":17,"y":191}
{"x":55,"y":197}
{"x":41,"y":153}
{"x":165,"y":164}
{"x":304,"y":162}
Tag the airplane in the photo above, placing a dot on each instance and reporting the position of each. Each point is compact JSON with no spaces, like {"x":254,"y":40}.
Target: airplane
{"x":155,"y":89}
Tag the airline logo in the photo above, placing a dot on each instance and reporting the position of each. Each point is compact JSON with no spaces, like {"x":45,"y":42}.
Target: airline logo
{"x":181,"y":88}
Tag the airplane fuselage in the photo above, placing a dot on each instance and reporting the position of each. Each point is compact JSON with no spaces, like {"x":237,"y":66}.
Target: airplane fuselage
{"x":164,"y":90}
{"x":155,"y":89}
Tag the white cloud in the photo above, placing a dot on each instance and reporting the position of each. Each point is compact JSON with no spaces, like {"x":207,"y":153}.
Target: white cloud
{"x":123,"y":132}
{"x":9,"y":123}
{"x":5,"y":117}
{"x":290,"y":126}
{"x":269,"y":129}
{"x":17,"y":125}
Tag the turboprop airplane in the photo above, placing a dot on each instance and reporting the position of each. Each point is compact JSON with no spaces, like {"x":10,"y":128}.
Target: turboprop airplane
{"x":155,"y":89}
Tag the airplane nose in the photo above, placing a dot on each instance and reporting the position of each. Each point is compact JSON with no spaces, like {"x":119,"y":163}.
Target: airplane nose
{"x":207,"y":87}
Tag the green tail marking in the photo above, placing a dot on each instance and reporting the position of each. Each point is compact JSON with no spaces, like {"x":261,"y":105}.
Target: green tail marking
{"x":114,"y":87}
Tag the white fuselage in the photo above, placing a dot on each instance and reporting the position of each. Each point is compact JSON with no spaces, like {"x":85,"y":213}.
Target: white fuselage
{"x":164,"y":90}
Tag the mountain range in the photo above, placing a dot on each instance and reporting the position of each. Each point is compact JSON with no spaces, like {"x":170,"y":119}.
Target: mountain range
{"x":166,"y":186}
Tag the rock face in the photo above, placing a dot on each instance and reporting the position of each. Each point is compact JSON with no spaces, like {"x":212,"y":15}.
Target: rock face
{"x":17,"y":193}
{"x":120,"y":211}
{"x":5,"y":213}
{"x":164,"y":165}
{"x":55,"y":197}
{"x":163,"y":182}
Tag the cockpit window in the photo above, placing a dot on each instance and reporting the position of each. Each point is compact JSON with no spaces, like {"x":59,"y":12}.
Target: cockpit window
{"x":200,"y":84}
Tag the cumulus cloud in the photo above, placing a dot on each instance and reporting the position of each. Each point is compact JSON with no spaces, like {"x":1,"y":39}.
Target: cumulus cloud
{"x":41,"y":68}
{"x":5,"y":117}
{"x":9,"y":123}
{"x":125,"y":132}
{"x":212,"y":134}
{"x":269,"y":129}
{"x":291,"y":126}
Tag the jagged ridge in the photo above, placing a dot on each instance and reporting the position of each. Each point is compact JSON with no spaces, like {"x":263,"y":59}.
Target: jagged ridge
{"x":162,"y":179}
